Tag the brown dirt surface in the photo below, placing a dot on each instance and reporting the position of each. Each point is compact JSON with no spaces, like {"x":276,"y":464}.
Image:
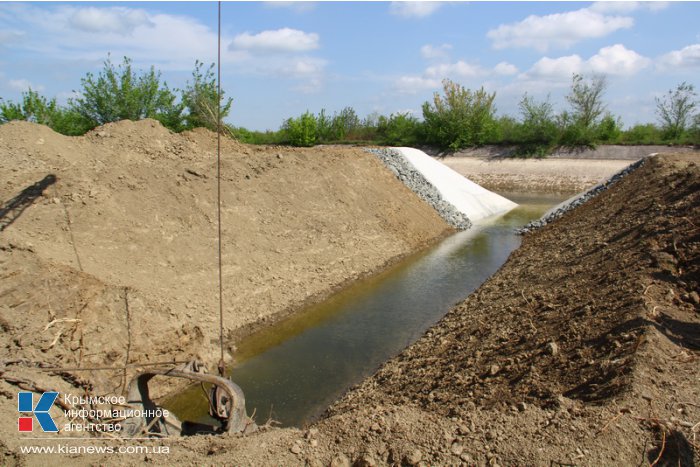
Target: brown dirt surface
{"x":583,"y":349}
{"x":108,"y":243}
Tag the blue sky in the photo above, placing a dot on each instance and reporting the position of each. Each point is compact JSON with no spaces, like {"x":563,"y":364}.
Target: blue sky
{"x":281,"y":59}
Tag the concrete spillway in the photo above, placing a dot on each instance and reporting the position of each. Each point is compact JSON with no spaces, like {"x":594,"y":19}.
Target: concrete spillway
{"x":475,"y":201}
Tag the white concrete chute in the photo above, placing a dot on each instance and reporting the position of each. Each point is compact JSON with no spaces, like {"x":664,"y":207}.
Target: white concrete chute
{"x":475,"y":201}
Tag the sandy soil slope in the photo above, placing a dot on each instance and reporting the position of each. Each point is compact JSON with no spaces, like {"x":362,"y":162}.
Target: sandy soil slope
{"x":582,"y":350}
{"x":113,"y":260}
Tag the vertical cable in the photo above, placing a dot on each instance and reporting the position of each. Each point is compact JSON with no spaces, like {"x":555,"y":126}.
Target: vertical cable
{"x":218,"y":190}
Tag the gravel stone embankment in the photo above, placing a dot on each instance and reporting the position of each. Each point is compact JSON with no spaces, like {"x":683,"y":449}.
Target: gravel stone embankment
{"x":414,"y":180}
{"x":586,"y":196}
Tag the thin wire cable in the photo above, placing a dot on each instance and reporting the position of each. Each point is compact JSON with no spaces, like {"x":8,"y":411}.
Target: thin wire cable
{"x":218,"y":190}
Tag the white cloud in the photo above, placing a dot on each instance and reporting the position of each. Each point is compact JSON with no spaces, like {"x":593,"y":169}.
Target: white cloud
{"x":278,"y":40}
{"x":414,"y":9}
{"x":169,"y":42}
{"x":118,"y":20}
{"x":414,"y":84}
{"x":505,"y":68}
{"x":297,"y":7}
{"x":23,"y":85}
{"x":561,"y":30}
{"x":9,"y":36}
{"x":301,"y":67}
{"x":458,"y":69}
{"x":687,"y":57}
{"x":555,"y":68}
{"x":627,"y":7}
{"x":617,"y":60}
{"x":612,"y":60}
{"x":434,"y":52}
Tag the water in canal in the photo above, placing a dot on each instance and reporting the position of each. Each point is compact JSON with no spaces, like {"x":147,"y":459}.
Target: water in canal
{"x":295,"y":369}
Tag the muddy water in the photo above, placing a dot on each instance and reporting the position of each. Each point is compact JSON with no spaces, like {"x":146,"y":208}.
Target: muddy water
{"x":294,"y":370}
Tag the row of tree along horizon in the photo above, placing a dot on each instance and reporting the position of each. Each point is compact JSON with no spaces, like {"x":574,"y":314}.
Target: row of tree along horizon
{"x":455,"y":119}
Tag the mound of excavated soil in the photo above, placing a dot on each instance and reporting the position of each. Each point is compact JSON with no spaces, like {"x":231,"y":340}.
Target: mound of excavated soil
{"x":108,"y":242}
{"x":582,"y":350}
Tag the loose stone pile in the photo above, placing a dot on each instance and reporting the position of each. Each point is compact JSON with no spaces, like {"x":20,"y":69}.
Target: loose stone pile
{"x":414,"y":180}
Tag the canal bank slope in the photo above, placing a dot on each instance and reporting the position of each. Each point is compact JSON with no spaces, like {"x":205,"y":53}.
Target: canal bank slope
{"x":565,"y":171}
{"x":108,"y":244}
{"x":581,"y":350}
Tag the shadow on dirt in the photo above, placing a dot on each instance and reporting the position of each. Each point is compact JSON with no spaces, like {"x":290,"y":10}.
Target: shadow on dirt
{"x":671,"y":448}
{"x":12,"y":209}
{"x":681,"y":333}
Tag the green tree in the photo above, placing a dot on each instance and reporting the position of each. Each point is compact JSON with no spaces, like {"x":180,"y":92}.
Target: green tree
{"x":695,"y":131}
{"x":401,"y":129}
{"x":324,"y":127}
{"x":586,"y":99}
{"x":461,"y":118}
{"x":200,"y":99}
{"x":609,"y":129}
{"x":36,"y":108}
{"x":675,"y":110}
{"x":121,"y":93}
{"x":642,"y":134}
{"x":538,"y":131}
{"x":344,"y":123}
{"x":301,"y":131}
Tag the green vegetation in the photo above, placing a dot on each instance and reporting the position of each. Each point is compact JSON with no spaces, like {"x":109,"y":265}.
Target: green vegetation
{"x":461,"y":118}
{"x":675,"y":111}
{"x":456,"y":119}
{"x":199,"y":99}
{"x":119,"y":92}
{"x":36,"y":108}
{"x":301,"y":131}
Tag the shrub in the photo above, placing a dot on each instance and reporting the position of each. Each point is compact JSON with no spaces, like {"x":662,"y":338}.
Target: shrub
{"x":461,"y":118}
{"x":507,"y":130}
{"x":609,"y":129}
{"x":642,"y":134}
{"x":675,"y":110}
{"x":324,"y":127}
{"x":301,"y":131}
{"x":200,"y":99}
{"x":694,"y":133}
{"x":401,"y":129}
{"x":538,"y":132}
{"x":586,"y":99}
{"x":255,"y":137}
{"x":120,"y":93}
{"x":38,"y":109}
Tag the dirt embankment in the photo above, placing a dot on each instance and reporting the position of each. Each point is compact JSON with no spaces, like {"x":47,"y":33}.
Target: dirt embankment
{"x":582,"y":350}
{"x":112,"y":258}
